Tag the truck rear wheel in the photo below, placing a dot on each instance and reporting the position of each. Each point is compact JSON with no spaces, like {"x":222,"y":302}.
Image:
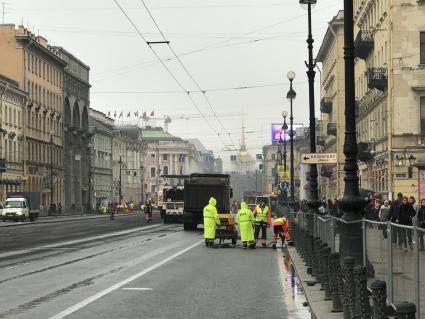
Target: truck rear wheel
{"x":23,"y":218}
{"x":165,"y":219}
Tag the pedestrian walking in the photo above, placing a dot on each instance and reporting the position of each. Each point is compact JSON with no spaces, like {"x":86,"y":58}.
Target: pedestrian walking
{"x":262,"y":222}
{"x":421,"y":224}
{"x":211,"y":220}
{"x":148,"y":211}
{"x":384,"y":213}
{"x":393,"y":214}
{"x":412,"y":201}
{"x":405,"y":216}
{"x":111,"y":211}
{"x":245,"y":219}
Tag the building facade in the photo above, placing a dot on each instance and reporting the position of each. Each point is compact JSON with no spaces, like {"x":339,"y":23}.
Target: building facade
{"x":38,"y":72}
{"x":76,"y":90}
{"x":128,"y":155}
{"x":100,"y":169}
{"x":166,"y":155}
{"x":332,"y":125}
{"x":390,"y":93}
{"x":12,"y":106}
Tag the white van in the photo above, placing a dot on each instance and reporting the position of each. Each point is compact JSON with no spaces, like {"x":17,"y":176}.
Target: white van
{"x":16,"y":209}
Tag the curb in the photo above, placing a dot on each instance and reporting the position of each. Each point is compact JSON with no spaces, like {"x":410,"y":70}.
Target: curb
{"x":52,"y":220}
{"x":319,"y":307}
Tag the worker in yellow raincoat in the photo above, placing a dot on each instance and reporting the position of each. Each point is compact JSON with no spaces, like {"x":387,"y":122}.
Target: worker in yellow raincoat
{"x":245,"y":219}
{"x":211,"y":221}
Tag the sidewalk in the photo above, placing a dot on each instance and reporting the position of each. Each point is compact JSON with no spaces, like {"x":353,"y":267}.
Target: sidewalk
{"x":320,"y":309}
{"x":64,"y":218}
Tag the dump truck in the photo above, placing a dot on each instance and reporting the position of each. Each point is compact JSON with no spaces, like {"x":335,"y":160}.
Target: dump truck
{"x":198,"y":190}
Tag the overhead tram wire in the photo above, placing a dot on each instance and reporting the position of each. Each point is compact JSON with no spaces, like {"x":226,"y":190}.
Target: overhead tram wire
{"x":204,"y":92}
{"x":171,"y":73}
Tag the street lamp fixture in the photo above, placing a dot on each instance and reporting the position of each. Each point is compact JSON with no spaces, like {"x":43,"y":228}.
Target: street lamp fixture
{"x":351,"y":204}
{"x":412,"y":160}
{"x":291,"y":95}
{"x":313,"y":201}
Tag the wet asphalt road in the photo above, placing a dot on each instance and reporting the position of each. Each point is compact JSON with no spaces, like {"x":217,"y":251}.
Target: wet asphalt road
{"x":127,"y":269}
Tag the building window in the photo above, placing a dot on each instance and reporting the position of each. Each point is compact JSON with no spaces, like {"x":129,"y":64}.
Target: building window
{"x":165,"y":170}
{"x":153,"y":188}
{"x":153,"y":155}
{"x":152,"y":171}
{"x":422,"y":111}
{"x":165,"y":157}
{"x":273,"y":157}
{"x":422,"y":48}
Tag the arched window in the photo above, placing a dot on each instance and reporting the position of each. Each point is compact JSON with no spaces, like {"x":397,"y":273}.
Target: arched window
{"x":165,"y":170}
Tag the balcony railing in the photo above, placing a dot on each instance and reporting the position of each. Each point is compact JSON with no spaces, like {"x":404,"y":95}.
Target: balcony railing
{"x":377,"y":78}
{"x":363,"y":45}
{"x":325,"y":106}
{"x":331,"y":129}
{"x":321,"y":140}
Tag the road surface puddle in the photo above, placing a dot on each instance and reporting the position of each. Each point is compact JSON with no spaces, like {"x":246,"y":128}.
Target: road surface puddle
{"x":293,"y":294}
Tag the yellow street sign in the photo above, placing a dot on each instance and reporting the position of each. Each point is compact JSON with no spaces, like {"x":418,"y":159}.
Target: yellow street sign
{"x":285,"y":176}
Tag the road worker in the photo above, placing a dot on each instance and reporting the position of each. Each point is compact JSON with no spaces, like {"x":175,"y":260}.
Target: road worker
{"x":262,"y":222}
{"x":245,"y":219}
{"x":211,"y":221}
{"x":280,"y":228}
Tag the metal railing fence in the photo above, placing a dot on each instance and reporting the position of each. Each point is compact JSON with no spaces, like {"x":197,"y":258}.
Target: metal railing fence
{"x":392,"y":253}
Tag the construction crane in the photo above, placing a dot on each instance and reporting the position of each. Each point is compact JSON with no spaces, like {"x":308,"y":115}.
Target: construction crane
{"x":144,"y":120}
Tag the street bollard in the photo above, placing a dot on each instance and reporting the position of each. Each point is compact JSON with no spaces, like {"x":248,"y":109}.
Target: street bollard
{"x":362,"y":303}
{"x":379,"y":297}
{"x":349,"y":290}
{"x":335,"y":277}
{"x":310,"y":238}
{"x":405,"y":310}
{"x":326,"y":273}
{"x":321,"y":268}
{"x":315,"y":266}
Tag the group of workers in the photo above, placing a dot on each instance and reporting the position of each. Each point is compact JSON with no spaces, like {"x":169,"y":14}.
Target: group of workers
{"x":250,"y":224}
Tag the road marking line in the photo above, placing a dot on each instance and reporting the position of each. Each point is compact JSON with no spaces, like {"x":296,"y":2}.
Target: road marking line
{"x":118,"y":285}
{"x":77,"y":241}
{"x":138,"y":289}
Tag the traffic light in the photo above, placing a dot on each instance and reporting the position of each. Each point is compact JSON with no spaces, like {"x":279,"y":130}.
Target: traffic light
{"x":261,"y":168}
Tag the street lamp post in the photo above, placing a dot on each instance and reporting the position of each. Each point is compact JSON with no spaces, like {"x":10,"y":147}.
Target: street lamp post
{"x":51,"y":172}
{"x":120,"y":182}
{"x":351,"y":203}
{"x":313,"y":201}
{"x":89,"y":204}
{"x":291,"y":96}
{"x":284,"y":130}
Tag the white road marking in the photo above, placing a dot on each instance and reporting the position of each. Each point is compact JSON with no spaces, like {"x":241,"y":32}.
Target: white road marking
{"x":77,"y":241}
{"x":138,"y":289}
{"x":118,"y":285}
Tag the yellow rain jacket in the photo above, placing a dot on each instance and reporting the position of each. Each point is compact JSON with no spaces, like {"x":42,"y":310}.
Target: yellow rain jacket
{"x":211,"y":219}
{"x":245,"y":219}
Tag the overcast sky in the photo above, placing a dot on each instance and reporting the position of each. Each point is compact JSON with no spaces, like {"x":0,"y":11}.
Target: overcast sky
{"x":225,"y":45}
